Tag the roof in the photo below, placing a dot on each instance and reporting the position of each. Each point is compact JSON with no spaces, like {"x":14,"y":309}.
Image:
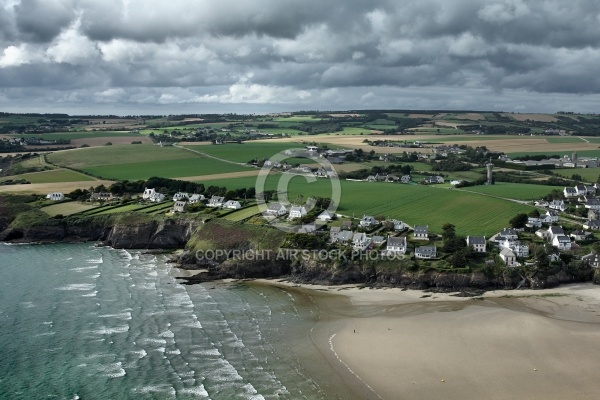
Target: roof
{"x":508,"y":232}
{"x":425,"y":249}
{"x":421,"y":229}
{"x":471,"y":240}
{"x":556,"y":230}
{"x":345,"y":235}
{"x":563,"y":239}
{"x":570,"y":190}
{"x":378,"y":238}
{"x":275,"y":206}
{"x":396,"y":241}
{"x":507,"y":252}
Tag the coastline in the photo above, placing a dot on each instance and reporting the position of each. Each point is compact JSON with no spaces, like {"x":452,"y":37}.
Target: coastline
{"x":409,"y":344}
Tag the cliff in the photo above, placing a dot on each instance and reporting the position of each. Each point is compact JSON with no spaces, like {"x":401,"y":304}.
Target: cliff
{"x":130,"y":231}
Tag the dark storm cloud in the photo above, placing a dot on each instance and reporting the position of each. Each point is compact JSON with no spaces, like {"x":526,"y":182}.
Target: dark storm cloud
{"x":302,"y":53}
{"x":43,"y":20}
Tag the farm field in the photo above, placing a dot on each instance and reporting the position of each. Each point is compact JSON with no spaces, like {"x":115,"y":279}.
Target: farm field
{"x":562,"y":139}
{"x":242,"y":214}
{"x":246,"y":151}
{"x":589,"y":175}
{"x":517,"y":191}
{"x":141,"y":162}
{"x":68,"y":208}
{"x":52,"y":176}
{"x":414,"y":204}
{"x":559,"y":151}
{"x":83,"y":135}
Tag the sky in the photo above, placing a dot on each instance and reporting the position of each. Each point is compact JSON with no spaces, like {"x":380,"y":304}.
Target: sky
{"x":257,"y":56}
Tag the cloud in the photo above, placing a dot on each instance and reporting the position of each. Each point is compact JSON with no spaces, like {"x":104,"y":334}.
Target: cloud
{"x":309,"y":54}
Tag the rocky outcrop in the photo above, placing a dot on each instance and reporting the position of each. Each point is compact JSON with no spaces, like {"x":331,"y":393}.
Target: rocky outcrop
{"x":125,"y":232}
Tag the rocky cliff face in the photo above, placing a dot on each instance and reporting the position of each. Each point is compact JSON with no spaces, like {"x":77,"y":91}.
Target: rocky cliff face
{"x":121,"y":232}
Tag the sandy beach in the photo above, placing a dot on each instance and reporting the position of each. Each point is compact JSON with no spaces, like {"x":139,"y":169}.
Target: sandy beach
{"x":394,"y":344}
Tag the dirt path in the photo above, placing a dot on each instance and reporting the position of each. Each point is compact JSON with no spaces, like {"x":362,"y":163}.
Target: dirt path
{"x":227,"y":175}
{"x":213,"y":157}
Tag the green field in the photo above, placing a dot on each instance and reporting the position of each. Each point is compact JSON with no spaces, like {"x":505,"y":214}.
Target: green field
{"x":247,"y":151}
{"x":414,"y":204}
{"x":83,"y":135}
{"x":67,"y":208}
{"x":242,"y":214}
{"x":517,"y":191}
{"x":141,"y":162}
{"x":52,"y":176}
{"x":588,"y":174}
{"x":581,"y":153}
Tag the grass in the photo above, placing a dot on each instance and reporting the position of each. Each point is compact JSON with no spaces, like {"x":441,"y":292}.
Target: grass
{"x":140,"y":162}
{"x":518,"y":191}
{"x":67,"y":208}
{"x":247,"y":151}
{"x":52,"y":176}
{"x":588,"y":174}
{"x":243,"y":214}
{"x":559,"y":139}
{"x":581,"y":153}
{"x":83,"y":135}
{"x":414,"y":204}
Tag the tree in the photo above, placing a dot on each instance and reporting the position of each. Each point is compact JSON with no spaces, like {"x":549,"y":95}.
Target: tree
{"x":448,"y":231}
{"x":534,"y":213}
{"x":519,"y":221}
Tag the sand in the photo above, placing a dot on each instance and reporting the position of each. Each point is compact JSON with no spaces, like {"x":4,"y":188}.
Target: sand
{"x":393,"y":344}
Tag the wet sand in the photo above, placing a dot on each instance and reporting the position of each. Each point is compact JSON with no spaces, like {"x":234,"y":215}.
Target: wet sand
{"x":393,"y":344}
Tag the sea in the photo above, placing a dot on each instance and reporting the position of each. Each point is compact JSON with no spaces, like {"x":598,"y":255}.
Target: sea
{"x":78,"y":321}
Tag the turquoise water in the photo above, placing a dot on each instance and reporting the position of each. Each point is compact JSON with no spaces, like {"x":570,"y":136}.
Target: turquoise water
{"x":79,"y":321}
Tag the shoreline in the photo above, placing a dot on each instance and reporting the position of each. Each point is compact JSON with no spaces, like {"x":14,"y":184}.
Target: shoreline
{"x":390,"y":343}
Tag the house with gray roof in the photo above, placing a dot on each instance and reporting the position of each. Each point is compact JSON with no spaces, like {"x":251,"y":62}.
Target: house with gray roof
{"x":477,"y":243}
{"x":426,"y":252}
{"x":396,"y":245}
{"x":421,"y":232}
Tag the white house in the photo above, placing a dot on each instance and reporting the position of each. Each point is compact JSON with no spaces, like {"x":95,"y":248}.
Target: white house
{"x":593,"y":224}
{"x":534,"y":222}
{"x":580,"y":235}
{"x":367,"y":221}
{"x":180,"y":196}
{"x":55,"y":196}
{"x":426,"y":252}
{"x":276,"y":209}
{"x":179,"y":206}
{"x":232,"y":205}
{"x":421,"y":232}
{"x":196,"y":198}
{"x":398,"y":225}
{"x":333,"y":233}
{"x":405,"y":179}
{"x":360,"y":241}
{"x":557,"y":205}
{"x":153,"y":196}
{"x":509,"y":258}
{"x":592,"y":204}
{"x":396,"y":245}
{"x":562,"y":242}
{"x":377,"y":240}
{"x":477,"y":243}
{"x":297,"y":212}
{"x":570,"y":192}
{"x":508,"y":233}
{"x":549,"y":217}
{"x":216,"y":201}
{"x":325,"y":216}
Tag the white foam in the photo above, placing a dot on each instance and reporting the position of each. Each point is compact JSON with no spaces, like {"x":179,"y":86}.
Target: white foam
{"x":115,"y":370}
{"x":81,"y":269}
{"x":95,"y":276}
{"x":90,"y":294}
{"x":27,"y":304}
{"x":176,"y":352}
{"x":194,"y":324}
{"x":77,"y":286}
{"x":156,"y":389}
{"x":95,"y":260}
{"x":167,"y":334}
{"x":198,"y":391}
{"x":140,"y":353}
{"x":207,"y":352}
{"x":123,"y":315}
{"x":109,"y":331}
{"x":155,"y":341}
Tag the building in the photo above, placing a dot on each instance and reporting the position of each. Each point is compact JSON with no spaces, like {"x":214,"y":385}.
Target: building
{"x":55,"y":196}
{"x":180,"y":196}
{"x":477,"y":243}
{"x":179,"y":206}
{"x":360,"y":241}
{"x":509,"y":258}
{"x":153,"y":196}
{"x":561,"y":242}
{"x":421,"y":232}
{"x":232,"y":205}
{"x":216,"y":201}
{"x":344,"y":237}
{"x":490,"y":173}
{"x":592,"y":259}
{"x":367,"y":221}
{"x":297,"y":212}
{"x":426,"y":252}
{"x":325,"y":216}
{"x":377,"y":240}
{"x":101,"y":196}
{"x":557,"y":205}
{"x":396,"y":245}
{"x":196,"y":198}
{"x":276,"y":209}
